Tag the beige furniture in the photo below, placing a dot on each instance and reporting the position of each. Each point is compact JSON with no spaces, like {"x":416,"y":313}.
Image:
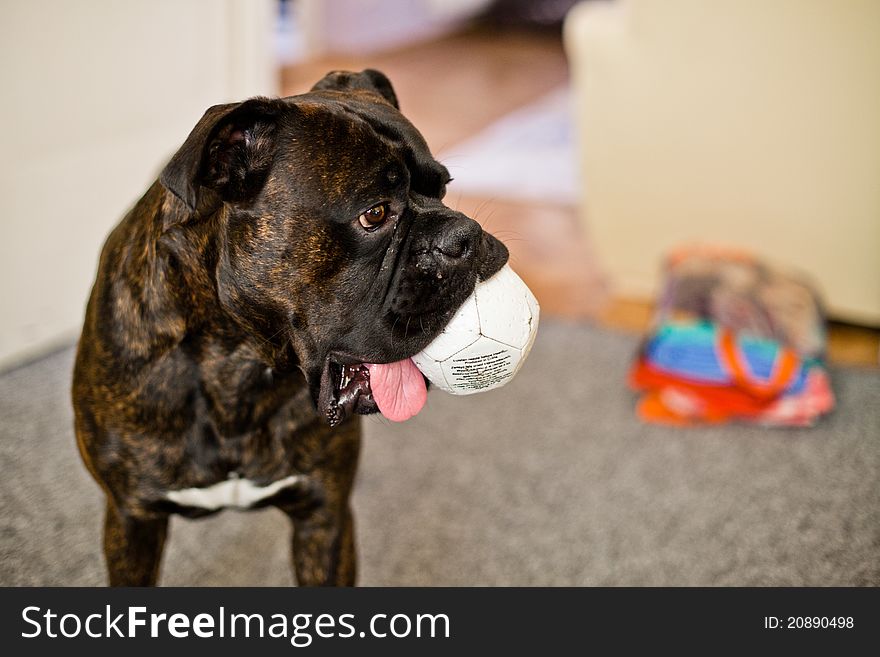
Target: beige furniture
{"x":747,"y":122}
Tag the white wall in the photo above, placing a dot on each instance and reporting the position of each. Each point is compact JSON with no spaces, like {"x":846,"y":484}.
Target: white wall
{"x":97,"y":94}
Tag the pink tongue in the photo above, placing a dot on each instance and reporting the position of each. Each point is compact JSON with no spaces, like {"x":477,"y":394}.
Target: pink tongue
{"x":398,"y":389}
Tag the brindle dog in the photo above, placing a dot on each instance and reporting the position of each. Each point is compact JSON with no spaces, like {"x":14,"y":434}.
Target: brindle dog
{"x":223,"y":361}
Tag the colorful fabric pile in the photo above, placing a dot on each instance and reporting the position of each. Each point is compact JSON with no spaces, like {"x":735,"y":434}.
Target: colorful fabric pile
{"x":733,"y":340}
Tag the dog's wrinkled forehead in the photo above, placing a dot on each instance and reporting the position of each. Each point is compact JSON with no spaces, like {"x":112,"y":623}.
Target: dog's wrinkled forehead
{"x":330,"y":151}
{"x":347,"y":127}
{"x":340,"y":132}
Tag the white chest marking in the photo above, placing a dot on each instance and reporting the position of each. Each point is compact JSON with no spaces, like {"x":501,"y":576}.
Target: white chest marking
{"x":234,"y":492}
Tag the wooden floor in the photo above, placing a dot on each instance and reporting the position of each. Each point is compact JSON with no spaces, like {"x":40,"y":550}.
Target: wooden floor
{"x":451,"y":88}
{"x":454,"y":87}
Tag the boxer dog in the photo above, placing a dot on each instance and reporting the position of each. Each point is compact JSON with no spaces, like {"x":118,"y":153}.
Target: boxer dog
{"x":267,"y":289}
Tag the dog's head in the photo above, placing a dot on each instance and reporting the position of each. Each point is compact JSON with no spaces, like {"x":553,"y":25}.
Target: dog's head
{"x":332,"y":236}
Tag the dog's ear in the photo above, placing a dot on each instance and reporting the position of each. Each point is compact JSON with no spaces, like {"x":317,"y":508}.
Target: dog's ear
{"x":368,"y":80}
{"x":229,"y":152}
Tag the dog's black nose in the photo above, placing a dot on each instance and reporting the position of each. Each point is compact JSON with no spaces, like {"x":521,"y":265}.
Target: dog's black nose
{"x":458,"y":239}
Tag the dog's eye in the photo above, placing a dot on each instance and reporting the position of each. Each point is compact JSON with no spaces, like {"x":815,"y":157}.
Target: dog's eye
{"x":374,"y":217}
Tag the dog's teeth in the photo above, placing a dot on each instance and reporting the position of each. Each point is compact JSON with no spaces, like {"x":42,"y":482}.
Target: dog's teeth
{"x":346,"y":376}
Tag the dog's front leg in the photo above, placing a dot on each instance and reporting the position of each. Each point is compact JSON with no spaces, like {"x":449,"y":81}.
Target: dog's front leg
{"x":323,"y":544}
{"x":323,"y":547}
{"x":133,"y":547}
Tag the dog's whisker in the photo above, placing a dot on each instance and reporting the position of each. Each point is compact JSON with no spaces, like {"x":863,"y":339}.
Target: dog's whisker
{"x":487,"y":203}
{"x":487,"y":223}
{"x":506,"y":231}
{"x":378,"y":418}
{"x":480,"y":209}
{"x":273,"y":336}
{"x":393,"y":325}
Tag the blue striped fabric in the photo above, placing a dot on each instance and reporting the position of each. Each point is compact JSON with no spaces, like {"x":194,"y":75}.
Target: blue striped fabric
{"x":690,"y":351}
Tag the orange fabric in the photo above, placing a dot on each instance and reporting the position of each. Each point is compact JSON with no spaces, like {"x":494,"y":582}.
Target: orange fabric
{"x":684,"y":404}
{"x":739,"y":401}
{"x":652,"y":409}
{"x":707,"y":403}
{"x":786,"y":367}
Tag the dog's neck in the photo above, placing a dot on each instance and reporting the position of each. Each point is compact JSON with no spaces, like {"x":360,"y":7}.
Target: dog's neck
{"x":159,"y":314}
{"x":165,"y":284}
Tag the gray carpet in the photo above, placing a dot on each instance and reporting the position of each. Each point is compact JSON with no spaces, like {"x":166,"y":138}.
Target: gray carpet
{"x":549,"y":481}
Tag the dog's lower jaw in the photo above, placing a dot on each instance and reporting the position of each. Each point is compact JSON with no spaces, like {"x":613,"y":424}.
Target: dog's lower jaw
{"x":345,"y":390}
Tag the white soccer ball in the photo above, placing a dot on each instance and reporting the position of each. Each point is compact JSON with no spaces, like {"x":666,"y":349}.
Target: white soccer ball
{"x":487,"y":340}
